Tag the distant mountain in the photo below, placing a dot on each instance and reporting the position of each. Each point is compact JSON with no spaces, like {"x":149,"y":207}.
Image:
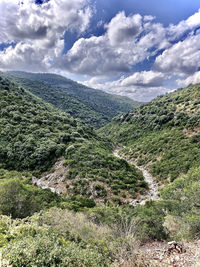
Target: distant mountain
{"x":40,"y":145}
{"x":91,"y":106}
{"x":34,"y":136}
{"x":165,"y":133}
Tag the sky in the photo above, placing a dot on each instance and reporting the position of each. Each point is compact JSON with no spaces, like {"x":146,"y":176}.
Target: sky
{"x":140,"y":49}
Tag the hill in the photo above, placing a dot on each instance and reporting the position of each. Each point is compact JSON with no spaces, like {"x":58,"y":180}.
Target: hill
{"x":163,"y":134}
{"x":91,"y":106}
{"x":34,"y":136}
{"x":88,"y":223}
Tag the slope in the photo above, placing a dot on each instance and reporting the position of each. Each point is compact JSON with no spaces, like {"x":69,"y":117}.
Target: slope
{"x":63,"y":101}
{"x":163,"y":134}
{"x":34,"y":136}
{"x":92,"y":106}
{"x":164,"y":137}
{"x":102,"y":235}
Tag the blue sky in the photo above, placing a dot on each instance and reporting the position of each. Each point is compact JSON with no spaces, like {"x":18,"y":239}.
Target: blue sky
{"x":140,"y":49}
{"x":165,"y":12}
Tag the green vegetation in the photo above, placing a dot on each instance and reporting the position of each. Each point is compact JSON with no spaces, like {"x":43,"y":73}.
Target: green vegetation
{"x":55,"y":238}
{"x":164,"y":133}
{"x":34,"y":136}
{"x":20,"y":199}
{"x":94,"y":172}
{"x":91,"y":106}
{"x":182,"y":200}
{"x":165,"y":136}
{"x":58,"y":237}
{"x":90,"y":224}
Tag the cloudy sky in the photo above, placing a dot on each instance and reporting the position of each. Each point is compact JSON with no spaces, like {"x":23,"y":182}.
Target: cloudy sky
{"x":136,"y":48}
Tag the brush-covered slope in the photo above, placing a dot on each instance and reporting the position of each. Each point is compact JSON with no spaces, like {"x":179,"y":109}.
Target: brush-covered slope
{"x":93,"y":107}
{"x":34,"y":135}
{"x":63,"y":101}
{"x":165,"y":134}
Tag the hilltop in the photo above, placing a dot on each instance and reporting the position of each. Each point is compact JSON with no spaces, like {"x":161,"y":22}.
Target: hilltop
{"x":91,"y":106}
{"x":34,"y":136}
{"x":89,"y":207}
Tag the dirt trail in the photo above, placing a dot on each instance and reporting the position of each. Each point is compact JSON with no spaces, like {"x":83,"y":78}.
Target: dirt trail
{"x":153,"y":192}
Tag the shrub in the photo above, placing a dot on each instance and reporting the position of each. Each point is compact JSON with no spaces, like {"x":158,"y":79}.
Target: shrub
{"x":47,"y":250}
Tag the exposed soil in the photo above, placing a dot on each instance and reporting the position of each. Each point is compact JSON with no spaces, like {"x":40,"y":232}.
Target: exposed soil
{"x":55,"y":180}
{"x":158,"y":254}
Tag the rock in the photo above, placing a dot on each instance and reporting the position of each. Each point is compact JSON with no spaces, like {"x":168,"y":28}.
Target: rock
{"x":175,"y":247}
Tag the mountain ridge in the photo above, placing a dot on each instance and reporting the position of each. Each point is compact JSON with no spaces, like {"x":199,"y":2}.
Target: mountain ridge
{"x":89,"y":220}
{"x":34,"y":136}
{"x":92,"y":106}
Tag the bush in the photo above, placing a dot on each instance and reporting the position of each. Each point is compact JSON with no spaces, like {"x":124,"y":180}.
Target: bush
{"x":150,"y":220}
{"x":47,"y":250}
{"x":19,"y":199}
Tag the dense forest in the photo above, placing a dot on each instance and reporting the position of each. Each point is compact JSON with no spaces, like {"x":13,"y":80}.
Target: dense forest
{"x":65,"y":199}
{"x":163,"y":133}
{"x":91,"y":106}
{"x":164,"y":136}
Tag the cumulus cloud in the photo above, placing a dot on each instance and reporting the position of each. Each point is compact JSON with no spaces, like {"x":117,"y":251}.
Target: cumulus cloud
{"x":185,"y":26}
{"x":128,"y":40}
{"x":182,"y":58}
{"x":93,"y":57}
{"x":29,"y":21}
{"x":34,"y":39}
{"x":153,"y":38}
{"x":132,"y":39}
{"x":141,"y":86}
{"x":123,"y":29}
{"x":26,"y":56}
{"x":193,"y":79}
{"x":38,"y":30}
{"x":144,"y":79}
{"x":144,"y":94}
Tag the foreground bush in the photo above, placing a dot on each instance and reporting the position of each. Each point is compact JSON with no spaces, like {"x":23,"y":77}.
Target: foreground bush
{"x":47,"y":250}
{"x":20,"y":199}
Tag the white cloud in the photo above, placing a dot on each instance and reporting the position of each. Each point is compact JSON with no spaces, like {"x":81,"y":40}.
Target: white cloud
{"x":182,"y":58}
{"x":153,"y":39}
{"x":39,"y":30}
{"x":30,"y":21}
{"x":144,"y":79}
{"x":26,"y":56}
{"x":118,"y":49}
{"x":185,"y":26}
{"x":193,"y":79}
{"x":148,"y":18}
{"x":123,"y":29}
{"x":93,"y":57}
{"x":124,"y":86}
{"x":132,"y":39}
{"x":34,"y":35}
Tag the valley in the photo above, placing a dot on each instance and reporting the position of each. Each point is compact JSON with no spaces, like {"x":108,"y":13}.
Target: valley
{"x":153,"y":191}
{"x":91,"y":106}
{"x":99,"y":133}
{"x":110,"y":196}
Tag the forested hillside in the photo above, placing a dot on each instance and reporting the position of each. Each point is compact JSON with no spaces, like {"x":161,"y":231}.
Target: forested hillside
{"x":34,"y":136}
{"x":164,"y":134}
{"x":164,"y":137}
{"x":91,"y":106}
{"x":89,"y":221}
